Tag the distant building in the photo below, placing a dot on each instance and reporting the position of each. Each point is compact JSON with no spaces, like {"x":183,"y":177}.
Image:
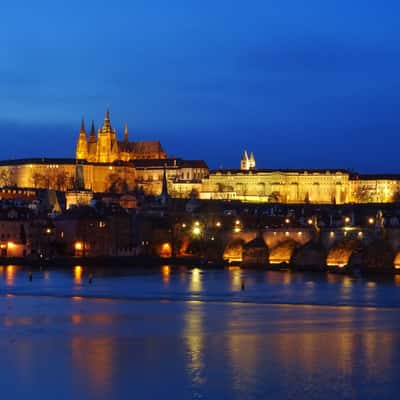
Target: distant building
{"x":104,"y":164}
{"x":247,"y":163}
{"x":106,"y":148}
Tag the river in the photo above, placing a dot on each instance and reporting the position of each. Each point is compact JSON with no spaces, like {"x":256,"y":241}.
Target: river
{"x":190,"y":333}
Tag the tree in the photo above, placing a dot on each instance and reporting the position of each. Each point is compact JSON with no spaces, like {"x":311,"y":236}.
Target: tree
{"x":396,"y":196}
{"x":194,"y":194}
{"x":61,"y":180}
{"x":39,"y":180}
{"x":274,"y":197}
{"x":117,"y":184}
{"x":363,"y":194}
{"x":7,"y":177}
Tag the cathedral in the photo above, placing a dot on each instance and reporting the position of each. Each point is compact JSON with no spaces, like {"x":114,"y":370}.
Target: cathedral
{"x":106,"y":148}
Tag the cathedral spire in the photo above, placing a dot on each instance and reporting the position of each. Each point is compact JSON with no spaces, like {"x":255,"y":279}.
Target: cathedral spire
{"x":107,"y":124}
{"x":164,"y":191}
{"x":82,"y":126}
{"x":252,"y":161}
{"x":81,"y":146}
{"x":126,"y":132}
{"x":92,"y":136}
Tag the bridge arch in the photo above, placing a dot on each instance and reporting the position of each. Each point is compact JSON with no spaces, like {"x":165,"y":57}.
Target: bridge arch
{"x":283,"y":251}
{"x":233,"y":251}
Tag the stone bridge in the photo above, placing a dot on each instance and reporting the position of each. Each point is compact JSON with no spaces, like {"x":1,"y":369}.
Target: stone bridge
{"x":302,"y":247}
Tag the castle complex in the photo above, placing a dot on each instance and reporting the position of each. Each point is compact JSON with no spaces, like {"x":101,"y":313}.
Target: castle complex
{"x":103,"y":163}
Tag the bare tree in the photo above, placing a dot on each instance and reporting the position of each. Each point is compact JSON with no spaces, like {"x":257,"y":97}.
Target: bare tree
{"x":39,"y":180}
{"x":7,"y":177}
{"x":274,"y":197}
{"x":363,"y":194}
{"x":117,"y":184}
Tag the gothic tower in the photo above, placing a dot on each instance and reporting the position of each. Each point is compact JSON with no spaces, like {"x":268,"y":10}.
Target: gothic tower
{"x":82,"y":145}
{"x":92,"y":144}
{"x":252,"y":161}
{"x":244,"y":162}
{"x":107,"y":146}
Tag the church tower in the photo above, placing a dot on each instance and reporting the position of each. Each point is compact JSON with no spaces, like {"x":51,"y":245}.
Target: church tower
{"x":252,"y":161}
{"x":92,"y":144}
{"x":124,"y":145}
{"x":82,"y":145}
{"x":107,"y":146}
{"x":244,"y":162}
{"x":247,"y":163}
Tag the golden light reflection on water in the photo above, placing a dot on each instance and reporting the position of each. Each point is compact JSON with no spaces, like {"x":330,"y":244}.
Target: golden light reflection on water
{"x":78,"y":275}
{"x":236,"y":278}
{"x":194,"y":341}
{"x":195,"y":284}
{"x":93,"y":360}
{"x":166,"y":272}
{"x":347,"y":286}
{"x":11,"y":271}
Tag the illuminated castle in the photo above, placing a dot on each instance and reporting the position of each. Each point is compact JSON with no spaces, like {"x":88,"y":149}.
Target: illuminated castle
{"x":103,"y":163}
{"x":106,"y":148}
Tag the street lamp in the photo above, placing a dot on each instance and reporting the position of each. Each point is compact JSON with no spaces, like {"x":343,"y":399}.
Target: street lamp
{"x":196,"y":231}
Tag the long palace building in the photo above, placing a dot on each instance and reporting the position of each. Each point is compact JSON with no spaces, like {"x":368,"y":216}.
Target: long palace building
{"x":103,"y":163}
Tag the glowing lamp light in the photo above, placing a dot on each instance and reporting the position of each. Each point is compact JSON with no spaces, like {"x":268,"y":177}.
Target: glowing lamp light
{"x":309,"y":221}
{"x":371,"y":221}
{"x":196,"y":231}
{"x":197,"y":223}
{"x":10,"y":245}
{"x":287,"y":221}
{"x":218,"y":224}
{"x":183,"y":225}
{"x":78,"y":246}
{"x":237,"y":222}
{"x":236,"y":229}
{"x":360,"y":234}
{"x":347,"y":220}
{"x":48,"y":231}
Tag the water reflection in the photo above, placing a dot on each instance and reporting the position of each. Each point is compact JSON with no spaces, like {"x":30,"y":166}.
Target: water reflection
{"x":93,"y":361}
{"x":236,"y":278}
{"x":195,"y":284}
{"x":193,"y":333}
{"x":166,"y":272}
{"x":11,"y":271}
{"x":78,"y":275}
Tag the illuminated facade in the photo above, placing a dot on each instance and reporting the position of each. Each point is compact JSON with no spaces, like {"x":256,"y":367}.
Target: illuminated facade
{"x":103,"y":163}
{"x":289,"y":186}
{"x":300,"y":186}
{"x":105,"y":148}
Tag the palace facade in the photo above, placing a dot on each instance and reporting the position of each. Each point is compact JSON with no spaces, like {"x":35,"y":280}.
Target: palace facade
{"x":325,"y":186}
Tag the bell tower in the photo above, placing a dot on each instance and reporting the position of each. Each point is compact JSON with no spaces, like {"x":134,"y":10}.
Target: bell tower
{"x":82,"y":145}
{"x":107,"y":147}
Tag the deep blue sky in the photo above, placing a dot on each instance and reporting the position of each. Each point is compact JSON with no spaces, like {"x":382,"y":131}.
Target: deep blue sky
{"x":304,"y":84}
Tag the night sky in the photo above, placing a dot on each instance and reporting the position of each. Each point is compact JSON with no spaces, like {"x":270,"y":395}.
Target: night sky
{"x":304,"y":84}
